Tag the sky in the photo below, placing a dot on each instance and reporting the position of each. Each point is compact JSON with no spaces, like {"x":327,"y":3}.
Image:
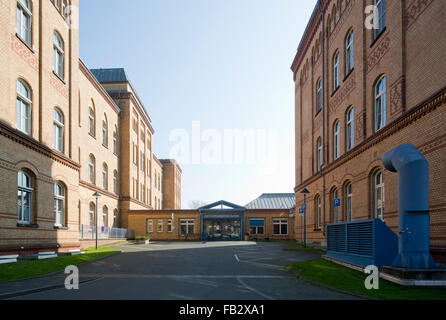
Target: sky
{"x":215,"y":79}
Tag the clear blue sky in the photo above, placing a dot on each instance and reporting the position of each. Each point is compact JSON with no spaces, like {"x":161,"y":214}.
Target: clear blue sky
{"x":224,"y":63}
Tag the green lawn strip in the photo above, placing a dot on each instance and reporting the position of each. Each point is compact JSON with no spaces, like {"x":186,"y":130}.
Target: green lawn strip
{"x":295,"y":246}
{"x":339,"y":277}
{"x":24,"y":269}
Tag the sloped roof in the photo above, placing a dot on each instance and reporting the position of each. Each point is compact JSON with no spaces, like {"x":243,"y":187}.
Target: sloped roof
{"x":273,"y":201}
{"x":110,"y":75}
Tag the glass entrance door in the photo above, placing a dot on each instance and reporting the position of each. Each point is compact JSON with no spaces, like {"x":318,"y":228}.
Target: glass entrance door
{"x":221,"y":230}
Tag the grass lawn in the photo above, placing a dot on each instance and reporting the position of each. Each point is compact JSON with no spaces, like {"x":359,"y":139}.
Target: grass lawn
{"x":336,"y":276}
{"x":32,"y":268}
{"x":295,"y":246}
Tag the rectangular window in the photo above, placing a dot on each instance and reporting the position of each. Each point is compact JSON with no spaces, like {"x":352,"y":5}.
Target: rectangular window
{"x":159,"y":226}
{"x":257,"y":226}
{"x":169,"y":225}
{"x":149,"y":226}
{"x":187,"y":227}
{"x":280,"y":227}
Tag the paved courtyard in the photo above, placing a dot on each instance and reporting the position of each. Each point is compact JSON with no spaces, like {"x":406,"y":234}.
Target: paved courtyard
{"x":186,"y":271}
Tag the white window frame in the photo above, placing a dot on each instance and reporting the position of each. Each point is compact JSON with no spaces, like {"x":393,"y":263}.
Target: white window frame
{"x":380,"y":104}
{"x":380,"y":5}
{"x":160,"y":226}
{"x":337,"y":140}
{"x":257,"y":228}
{"x":318,"y":212}
{"x":25,"y":190}
{"x":280,"y":222}
{"x":104,"y":176}
{"x":92,"y":213}
{"x":379,"y":187}
{"x":115,"y":142}
{"x":24,"y":21}
{"x":149,"y":226}
{"x":319,"y":96}
{"x":59,"y":204}
{"x":59,"y":56}
{"x":92,"y":169}
{"x":350,"y":129}
{"x":104,"y":216}
{"x":319,"y":154}
{"x":115,"y":182}
{"x":59,"y":129}
{"x":349,"y":202}
{"x":24,"y":107}
{"x":336,"y":72}
{"x":349,"y":49}
{"x":91,"y":122}
{"x":104,"y":133}
{"x":188,"y":223}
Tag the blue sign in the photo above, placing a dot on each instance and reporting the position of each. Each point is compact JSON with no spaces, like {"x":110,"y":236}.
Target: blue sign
{"x":304,"y":207}
{"x":301,"y":211}
{"x":337,"y":202}
{"x":102,"y":229}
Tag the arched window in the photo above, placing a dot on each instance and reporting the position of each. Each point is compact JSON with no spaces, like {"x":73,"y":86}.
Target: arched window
{"x":318,"y":212}
{"x":57,"y":3}
{"x":342,"y":6}
{"x":334,"y":209}
{"x":105,"y":176}
{"x":115,"y":141}
{"x":25,"y":197}
{"x":378,"y":186}
{"x":380,"y":104}
{"x":349,"y":202}
{"x":115,"y":182}
{"x":91,"y":213}
{"x":58,"y":56}
{"x":105,"y":133}
{"x":64,"y":8}
{"x":91,"y":122}
{"x":319,"y":154}
{"x":58,"y":130}
{"x":115,"y":218}
{"x":319,"y":95}
{"x":381,"y":23}
{"x":104,"y":216}
{"x":24,"y":21}
{"x":349,"y":59}
{"x":336,"y":140}
{"x":350,"y":129}
{"x":59,"y":204}
{"x":91,"y":168}
{"x":24,"y":105}
{"x":336,"y":72}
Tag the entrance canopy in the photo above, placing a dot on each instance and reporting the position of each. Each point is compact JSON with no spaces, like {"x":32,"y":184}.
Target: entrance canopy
{"x":222,"y":221}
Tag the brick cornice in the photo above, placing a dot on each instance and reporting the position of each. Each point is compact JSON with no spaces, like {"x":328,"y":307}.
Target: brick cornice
{"x":27,"y":141}
{"x":83,"y":68}
{"x":397,"y":125}
{"x":94,"y":188}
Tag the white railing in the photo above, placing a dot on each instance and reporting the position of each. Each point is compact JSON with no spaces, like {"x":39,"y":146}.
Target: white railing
{"x":88,"y":233}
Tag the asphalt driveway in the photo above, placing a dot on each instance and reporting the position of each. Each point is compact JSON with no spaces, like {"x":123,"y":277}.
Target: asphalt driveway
{"x":189,"y":271}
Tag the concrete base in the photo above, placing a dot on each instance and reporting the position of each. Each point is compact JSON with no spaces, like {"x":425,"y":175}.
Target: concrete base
{"x":413,"y":277}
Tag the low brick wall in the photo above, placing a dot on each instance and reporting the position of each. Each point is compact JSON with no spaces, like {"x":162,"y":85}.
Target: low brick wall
{"x":91,"y":243}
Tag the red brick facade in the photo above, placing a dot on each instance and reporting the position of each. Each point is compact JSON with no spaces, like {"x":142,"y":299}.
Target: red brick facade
{"x":410,"y":53}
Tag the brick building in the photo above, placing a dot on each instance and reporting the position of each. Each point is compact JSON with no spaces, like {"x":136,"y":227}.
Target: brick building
{"x":359,"y":93}
{"x":269,"y":217}
{"x":66,"y":132}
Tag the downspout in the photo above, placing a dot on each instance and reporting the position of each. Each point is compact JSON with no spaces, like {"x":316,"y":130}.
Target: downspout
{"x":323,"y":111}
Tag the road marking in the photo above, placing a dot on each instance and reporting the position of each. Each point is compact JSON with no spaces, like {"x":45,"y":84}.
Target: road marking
{"x":167,"y":276}
{"x":236,"y":258}
{"x":254,"y":290}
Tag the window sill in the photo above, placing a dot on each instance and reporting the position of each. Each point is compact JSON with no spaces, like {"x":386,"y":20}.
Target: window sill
{"x":348,"y":74}
{"x":26,"y":225}
{"x":60,"y":228}
{"x":334,"y":92}
{"x":91,"y":135}
{"x":317,"y":113}
{"x":22,"y":41}
{"x":58,"y":77}
{"x":378,"y":37}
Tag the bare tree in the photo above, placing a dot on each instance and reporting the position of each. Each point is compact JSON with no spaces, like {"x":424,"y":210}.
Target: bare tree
{"x":195,"y":204}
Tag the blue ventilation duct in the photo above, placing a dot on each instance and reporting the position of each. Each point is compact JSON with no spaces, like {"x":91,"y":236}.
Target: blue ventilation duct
{"x":413,"y":207}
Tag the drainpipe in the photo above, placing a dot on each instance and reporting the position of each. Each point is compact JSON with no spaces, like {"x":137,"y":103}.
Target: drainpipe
{"x":413,"y":207}
{"x":323,"y":111}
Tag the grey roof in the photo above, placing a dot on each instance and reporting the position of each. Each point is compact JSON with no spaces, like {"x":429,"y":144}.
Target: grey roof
{"x":273,"y":201}
{"x":110,"y":75}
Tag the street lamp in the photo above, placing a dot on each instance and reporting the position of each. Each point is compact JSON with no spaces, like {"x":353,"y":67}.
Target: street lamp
{"x":305,"y":192}
{"x":96,"y":195}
